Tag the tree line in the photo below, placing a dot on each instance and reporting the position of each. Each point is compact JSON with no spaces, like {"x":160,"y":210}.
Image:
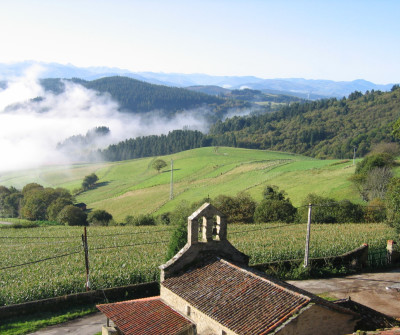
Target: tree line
{"x":37,"y":203}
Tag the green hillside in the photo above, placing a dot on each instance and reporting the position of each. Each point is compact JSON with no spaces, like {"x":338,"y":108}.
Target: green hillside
{"x":133,"y":187}
{"x":324,"y":128}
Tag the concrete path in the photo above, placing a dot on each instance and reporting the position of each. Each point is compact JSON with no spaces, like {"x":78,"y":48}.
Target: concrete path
{"x":87,"y":325}
{"x":379,"y":291}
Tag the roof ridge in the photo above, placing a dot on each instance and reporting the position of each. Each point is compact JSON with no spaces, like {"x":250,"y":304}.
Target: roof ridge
{"x":292,"y":289}
{"x":132,"y":300}
{"x":281,"y":284}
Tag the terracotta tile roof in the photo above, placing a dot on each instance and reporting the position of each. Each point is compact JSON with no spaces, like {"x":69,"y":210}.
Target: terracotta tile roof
{"x":147,"y":316}
{"x":245,"y":301}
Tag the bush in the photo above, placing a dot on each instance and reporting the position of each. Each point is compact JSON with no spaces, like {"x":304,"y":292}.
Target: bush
{"x":275,"y":211}
{"x":72,"y":216}
{"x":374,"y":161}
{"x":99,"y":217}
{"x":140,"y":220}
{"x":375,"y":211}
{"x":164,"y":219}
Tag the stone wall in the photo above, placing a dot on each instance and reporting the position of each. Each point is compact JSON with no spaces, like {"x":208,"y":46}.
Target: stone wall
{"x":205,"y":325}
{"x":92,"y":297}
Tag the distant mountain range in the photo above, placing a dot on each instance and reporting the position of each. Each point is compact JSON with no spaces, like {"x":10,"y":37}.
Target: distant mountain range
{"x":304,"y":88}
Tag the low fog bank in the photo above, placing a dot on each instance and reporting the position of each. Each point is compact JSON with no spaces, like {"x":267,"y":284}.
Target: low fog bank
{"x":33,"y":121}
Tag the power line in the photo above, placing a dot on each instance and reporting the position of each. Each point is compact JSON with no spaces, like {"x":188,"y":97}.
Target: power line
{"x":60,"y":237}
{"x":133,"y":233}
{"x":127,"y":245}
{"x":39,"y":260}
{"x":76,"y":252}
{"x":78,"y":237}
{"x":265,"y":228}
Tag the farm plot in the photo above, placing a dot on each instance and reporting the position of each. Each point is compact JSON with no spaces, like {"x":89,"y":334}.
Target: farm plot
{"x":45,"y":262}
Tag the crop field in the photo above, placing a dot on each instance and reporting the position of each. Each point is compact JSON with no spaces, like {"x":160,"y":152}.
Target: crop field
{"x":133,"y":187}
{"x":39,"y":263}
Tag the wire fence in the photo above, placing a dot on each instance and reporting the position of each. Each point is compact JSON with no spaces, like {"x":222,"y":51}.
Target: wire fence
{"x":67,"y":239}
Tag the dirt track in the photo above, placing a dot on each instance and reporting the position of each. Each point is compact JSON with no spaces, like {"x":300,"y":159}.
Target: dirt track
{"x":3,"y":222}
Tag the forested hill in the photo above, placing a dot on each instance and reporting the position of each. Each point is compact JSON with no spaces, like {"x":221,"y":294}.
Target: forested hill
{"x":135,"y":95}
{"x":139,"y":97}
{"x":323,"y":128}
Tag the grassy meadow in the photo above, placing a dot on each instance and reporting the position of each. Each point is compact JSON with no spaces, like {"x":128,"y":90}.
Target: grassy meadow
{"x":134,"y":187}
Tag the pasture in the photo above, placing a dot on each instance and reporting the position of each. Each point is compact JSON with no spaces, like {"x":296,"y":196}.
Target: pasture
{"x":134,"y":187}
{"x":38,"y":263}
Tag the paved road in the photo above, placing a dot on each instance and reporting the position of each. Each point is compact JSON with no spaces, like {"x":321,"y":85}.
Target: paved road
{"x":380,"y":291}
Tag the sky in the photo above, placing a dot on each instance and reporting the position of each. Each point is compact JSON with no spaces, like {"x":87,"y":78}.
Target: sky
{"x":325,"y":39}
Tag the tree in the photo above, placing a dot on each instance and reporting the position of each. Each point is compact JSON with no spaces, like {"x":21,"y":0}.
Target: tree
{"x":159,"y":164}
{"x":275,"y":207}
{"x":89,"y":181}
{"x":34,"y":205}
{"x":37,"y":200}
{"x":376,"y":183}
{"x":237,"y":209}
{"x":30,"y":187}
{"x":372,"y":175}
{"x":179,"y":218}
{"x":99,"y":217}
{"x":72,"y":216}
{"x":392,"y":201}
{"x":56,"y":206}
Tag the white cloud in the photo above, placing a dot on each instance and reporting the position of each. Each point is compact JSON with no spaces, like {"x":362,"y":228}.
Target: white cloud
{"x":30,"y":129}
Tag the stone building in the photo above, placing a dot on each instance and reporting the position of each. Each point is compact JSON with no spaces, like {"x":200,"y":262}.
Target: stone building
{"x":208,"y":288}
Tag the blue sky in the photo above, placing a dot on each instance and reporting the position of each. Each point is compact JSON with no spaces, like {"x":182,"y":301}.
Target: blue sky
{"x":326,"y":39}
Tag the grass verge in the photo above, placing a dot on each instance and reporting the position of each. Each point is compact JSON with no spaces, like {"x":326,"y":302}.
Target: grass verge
{"x":31,"y":323}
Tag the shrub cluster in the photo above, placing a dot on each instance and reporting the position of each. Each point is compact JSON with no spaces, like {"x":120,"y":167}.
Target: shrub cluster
{"x":140,"y":220}
{"x":327,"y":210}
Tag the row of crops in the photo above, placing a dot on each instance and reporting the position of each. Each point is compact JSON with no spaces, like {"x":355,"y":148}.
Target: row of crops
{"x":46,"y":262}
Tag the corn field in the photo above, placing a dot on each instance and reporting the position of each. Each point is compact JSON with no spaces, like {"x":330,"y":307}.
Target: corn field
{"x":39,"y":263}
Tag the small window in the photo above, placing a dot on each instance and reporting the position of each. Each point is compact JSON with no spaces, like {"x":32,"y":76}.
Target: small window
{"x":188,"y":310}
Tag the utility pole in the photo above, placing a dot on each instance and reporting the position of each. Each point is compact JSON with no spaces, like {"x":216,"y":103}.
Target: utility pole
{"x":308,"y":236}
{"x":171,"y":193}
{"x":86,"y":250}
{"x":354,"y":156}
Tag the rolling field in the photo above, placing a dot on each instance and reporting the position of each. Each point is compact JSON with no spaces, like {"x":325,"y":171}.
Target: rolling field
{"x":134,"y":187}
{"x":38,"y":263}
